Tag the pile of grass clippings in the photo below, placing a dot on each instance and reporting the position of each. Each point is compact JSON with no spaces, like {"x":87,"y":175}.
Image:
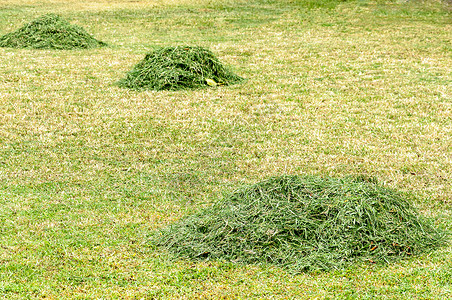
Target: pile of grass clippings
{"x":50,"y":32}
{"x":176,"y":68}
{"x":304,"y":223}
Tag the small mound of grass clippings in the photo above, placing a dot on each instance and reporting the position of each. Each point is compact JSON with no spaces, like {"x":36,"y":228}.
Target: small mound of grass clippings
{"x":304,"y":223}
{"x":50,"y":32}
{"x":176,"y":68}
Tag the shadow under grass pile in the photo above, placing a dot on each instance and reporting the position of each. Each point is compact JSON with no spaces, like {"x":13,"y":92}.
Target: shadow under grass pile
{"x":50,"y":32}
{"x":176,"y":68}
{"x":304,"y":223}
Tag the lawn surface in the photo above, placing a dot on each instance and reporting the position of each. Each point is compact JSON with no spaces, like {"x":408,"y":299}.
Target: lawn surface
{"x":88,"y":169}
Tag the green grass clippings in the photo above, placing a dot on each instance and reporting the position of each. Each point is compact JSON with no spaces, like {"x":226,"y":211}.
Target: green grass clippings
{"x":304,"y":223}
{"x":50,"y":32}
{"x":180,"y":67}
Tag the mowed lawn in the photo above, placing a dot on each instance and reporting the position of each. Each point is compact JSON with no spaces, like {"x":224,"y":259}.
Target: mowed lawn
{"x":88,"y":170}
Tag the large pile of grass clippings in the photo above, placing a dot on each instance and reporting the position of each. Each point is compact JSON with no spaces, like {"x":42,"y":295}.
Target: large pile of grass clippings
{"x":180,"y":67}
{"x":50,"y":32}
{"x":304,"y":223}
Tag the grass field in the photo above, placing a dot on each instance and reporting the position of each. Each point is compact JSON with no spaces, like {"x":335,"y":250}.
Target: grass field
{"x":89,"y":170}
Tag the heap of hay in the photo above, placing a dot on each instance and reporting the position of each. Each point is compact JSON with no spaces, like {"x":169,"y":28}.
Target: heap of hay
{"x":175,"y":68}
{"x":50,"y":32}
{"x":304,"y":223}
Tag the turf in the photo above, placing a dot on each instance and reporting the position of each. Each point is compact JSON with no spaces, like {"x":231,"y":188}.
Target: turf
{"x":50,"y":32}
{"x":305,"y":223}
{"x":180,"y":67}
{"x":88,"y":170}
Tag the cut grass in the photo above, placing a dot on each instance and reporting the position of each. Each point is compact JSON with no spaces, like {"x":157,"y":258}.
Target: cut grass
{"x":176,"y":68}
{"x":50,"y":32}
{"x":88,"y":169}
{"x":304,"y":224}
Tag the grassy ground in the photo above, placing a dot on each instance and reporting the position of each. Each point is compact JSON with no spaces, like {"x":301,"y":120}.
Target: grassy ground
{"x":88,"y":169}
